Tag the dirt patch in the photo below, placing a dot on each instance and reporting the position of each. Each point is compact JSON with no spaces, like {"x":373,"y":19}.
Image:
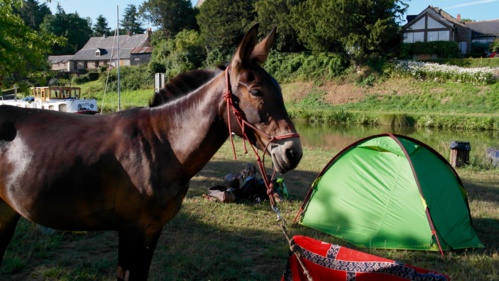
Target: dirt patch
{"x":296,"y":91}
{"x":337,"y":93}
{"x":343,"y":93}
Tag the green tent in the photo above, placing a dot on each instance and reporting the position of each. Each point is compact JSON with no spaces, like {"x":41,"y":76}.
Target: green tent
{"x":391,"y":192}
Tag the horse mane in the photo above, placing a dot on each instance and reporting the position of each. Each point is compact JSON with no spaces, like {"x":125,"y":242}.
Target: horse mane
{"x":183,"y":84}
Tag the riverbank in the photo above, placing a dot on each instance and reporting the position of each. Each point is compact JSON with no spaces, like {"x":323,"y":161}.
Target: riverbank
{"x":396,"y":101}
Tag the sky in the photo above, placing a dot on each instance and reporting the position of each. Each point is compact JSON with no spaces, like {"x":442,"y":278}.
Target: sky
{"x":477,"y":10}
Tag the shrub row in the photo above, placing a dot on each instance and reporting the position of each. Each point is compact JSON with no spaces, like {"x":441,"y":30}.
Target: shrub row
{"x":443,"y":49}
{"x":88,"y":77}
{"x":328,"y":115}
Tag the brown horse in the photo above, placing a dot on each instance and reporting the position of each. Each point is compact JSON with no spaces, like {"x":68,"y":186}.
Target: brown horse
{"x":129,"y":171}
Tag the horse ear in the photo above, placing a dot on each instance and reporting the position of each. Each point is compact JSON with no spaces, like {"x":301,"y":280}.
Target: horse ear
{"x":261,"y":51}
{"x":246,"y":46}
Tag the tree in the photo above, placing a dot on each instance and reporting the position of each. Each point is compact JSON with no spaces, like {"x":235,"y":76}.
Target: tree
{"x":174,"y":56}
{"x":224,"y":22}
{"x":317,"y":25}
{"x":100,"y":28}
{"x":32,"y":13}
{"x":172,"y":16}
{"x":130,"y":22}
{"x":75,"y":29}
{"x":276,"y":14}
{"x":22,"y":49}
{"x":360,"y":28}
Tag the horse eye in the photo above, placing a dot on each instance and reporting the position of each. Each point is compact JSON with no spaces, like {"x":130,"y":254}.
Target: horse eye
{"x":256,"y":93}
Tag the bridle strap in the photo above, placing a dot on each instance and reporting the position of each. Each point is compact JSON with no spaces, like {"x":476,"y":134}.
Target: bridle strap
{"x":243,"y":124}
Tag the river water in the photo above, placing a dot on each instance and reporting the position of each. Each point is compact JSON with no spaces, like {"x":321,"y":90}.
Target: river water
{"x":339,"y":136}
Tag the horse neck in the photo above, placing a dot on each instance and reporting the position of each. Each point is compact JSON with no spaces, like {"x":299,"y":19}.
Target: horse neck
{"x":194,"y":125}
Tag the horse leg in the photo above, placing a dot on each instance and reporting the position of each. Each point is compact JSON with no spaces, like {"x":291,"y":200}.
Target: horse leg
{"x":135,"y":252}
{"x":8,"y":222}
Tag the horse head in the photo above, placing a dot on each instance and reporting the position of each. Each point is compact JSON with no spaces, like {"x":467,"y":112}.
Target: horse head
{"x":259,"y":113}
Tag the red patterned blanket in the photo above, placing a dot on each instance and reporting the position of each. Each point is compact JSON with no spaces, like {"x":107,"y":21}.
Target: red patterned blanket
{"x":326,"y":261}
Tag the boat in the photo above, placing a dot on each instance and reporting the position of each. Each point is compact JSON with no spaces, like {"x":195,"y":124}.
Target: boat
{"x":58,"y":98}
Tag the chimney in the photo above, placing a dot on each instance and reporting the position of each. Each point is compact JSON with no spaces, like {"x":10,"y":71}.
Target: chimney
{"x":458,"y":17}
{"x":148,"y":32}
{"x":129,"y":33}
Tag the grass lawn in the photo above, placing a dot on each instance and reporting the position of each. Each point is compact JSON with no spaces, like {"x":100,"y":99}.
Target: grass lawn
{"x":214,"y":241}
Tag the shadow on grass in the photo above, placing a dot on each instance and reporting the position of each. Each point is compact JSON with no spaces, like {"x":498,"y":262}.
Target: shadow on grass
{"x":483,"y":191}
{"x":487,"y":230}
{"x":206,"y":240}
{"x":214,"y":241}
{"x":298,"y":182}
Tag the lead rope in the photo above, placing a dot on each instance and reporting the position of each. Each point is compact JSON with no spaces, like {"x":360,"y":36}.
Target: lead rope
{"x":297,"y":250}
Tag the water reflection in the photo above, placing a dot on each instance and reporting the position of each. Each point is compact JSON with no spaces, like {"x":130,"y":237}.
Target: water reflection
{"x":339,"y":136}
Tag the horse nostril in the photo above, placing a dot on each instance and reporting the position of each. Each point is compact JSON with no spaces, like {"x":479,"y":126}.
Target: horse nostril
{"x":290,"y":153}
{"x":293,"y":155}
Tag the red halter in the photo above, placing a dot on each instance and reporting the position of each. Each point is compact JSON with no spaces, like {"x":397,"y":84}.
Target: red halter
{"x":243,"y":124}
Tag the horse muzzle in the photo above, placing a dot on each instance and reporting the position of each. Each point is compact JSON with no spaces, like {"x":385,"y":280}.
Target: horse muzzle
{"x":286,"y":154}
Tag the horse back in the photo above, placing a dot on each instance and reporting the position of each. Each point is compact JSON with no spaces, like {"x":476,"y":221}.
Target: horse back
{"x":86,"y":165}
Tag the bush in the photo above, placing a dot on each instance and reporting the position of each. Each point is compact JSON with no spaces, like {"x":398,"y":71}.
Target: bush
{"x":174,"y":56}
{"x":92,"y":76}
{"x":177,"y":63}
{"x":287,"y":67}
{"x":81,"y":71}
{"x":82,"y":79}
{"x":157,"y":67}
{"x":131,"y":78}
{"x":442,"y":49}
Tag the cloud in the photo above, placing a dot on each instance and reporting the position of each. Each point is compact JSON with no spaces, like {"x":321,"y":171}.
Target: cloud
{"x":470,"y":4}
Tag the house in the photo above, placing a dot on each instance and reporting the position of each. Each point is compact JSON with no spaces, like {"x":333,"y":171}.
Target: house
{"x":484,"y":32}
{"x":140,"y":55}
{"x":98,"y":51}
{"x":434,"y":24}
{"x":61,"y":63}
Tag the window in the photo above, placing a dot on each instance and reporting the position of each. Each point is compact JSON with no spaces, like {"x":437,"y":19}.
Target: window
{"x":418,"y":36}
{"x":486,"y":40}
{"x":408,"y":37}
{"x":429,"y":30}
{"x":420,"y":24}
{"x":433,"y":24}
{"x":412,"y":37}
{"x":442,"y":35}
{"x":432,"y":36}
